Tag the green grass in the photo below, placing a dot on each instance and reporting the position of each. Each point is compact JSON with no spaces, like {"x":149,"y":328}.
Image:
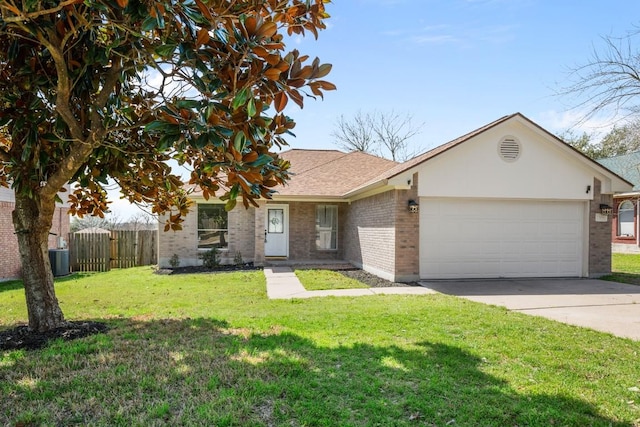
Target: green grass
{"x":625,"y":268}
{"x":318,"y":280}
{"x":211,"y":349}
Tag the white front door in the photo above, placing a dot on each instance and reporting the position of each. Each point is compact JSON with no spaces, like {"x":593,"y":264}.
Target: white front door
{"x":276,"y":231}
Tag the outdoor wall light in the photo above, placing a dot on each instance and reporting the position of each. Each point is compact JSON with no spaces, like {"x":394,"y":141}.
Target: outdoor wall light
{"x":413,"y":206}
{"x":588,"y":189}
{"x":606,"y":209}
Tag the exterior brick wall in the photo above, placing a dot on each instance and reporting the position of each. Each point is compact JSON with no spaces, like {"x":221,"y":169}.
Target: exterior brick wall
{"x":184,"y":243}
{"x":10,"y":265}
{"x":10,"y":259}
{"x":407,"y":225}
{"x":599,"y":234}
{"x":369,"y":234}
{"x":241,"y":235}
{"x":258,"y":235}
{"x":302,"y":232}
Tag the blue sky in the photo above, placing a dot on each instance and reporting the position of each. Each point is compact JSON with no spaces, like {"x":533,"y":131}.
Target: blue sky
{"x":455,"y":65}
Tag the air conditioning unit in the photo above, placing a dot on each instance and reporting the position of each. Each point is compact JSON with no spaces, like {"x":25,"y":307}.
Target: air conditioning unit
{"x":59,"y":259}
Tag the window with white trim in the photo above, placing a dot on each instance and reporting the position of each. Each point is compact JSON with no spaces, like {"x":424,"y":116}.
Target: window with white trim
{"x":626,"y":223}
{"x":213,"y":230}
{"x":326,"y":227}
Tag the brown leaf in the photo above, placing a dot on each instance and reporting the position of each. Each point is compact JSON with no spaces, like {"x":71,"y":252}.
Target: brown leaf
{"x":297,"y":98}
{"x":123,"y":3}
{"x":205,"y":10}
{"x":250,"y":157}
{"x":323,"y":70}
{"x":281,"y":100}
{"x":251,"y":23}
{"x":203,"y":37}
{"x":326,"y":85}
{"x":268,"y":29}
{"x":272,"y":74}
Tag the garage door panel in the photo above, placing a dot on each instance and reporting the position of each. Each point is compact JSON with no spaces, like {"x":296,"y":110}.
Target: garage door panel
{"x":497,"y":238}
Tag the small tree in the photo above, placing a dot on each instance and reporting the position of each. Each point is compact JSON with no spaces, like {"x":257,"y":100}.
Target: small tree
{"x":620,"y":140}
{"x":99,"y":89}
{"x":384,"y":134}
{"x":582,"y":142}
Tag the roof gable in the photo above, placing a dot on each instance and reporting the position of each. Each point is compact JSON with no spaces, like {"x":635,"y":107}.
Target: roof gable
{"x":409,"y":167}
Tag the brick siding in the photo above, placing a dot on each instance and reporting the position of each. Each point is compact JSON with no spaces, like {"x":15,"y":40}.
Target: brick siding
{"x":10,"y":259}
{"x":302,"y":232}
{"x":407,"y":250}
{"x":184,"y":243}
{"x":370,"y":234}
{"x":599,"y":234}
{"x":10,"y":265}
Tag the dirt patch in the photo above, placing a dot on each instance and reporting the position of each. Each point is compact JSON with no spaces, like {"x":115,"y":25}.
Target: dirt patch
{"x":373,"y":281}
{"x":21,"y":337}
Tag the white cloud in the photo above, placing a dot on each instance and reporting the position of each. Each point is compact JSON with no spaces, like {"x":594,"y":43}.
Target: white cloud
{"x":574,"y":120}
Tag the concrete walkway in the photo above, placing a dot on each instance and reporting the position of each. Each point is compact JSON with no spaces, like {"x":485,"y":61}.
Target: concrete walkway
{"x":282,"y":283}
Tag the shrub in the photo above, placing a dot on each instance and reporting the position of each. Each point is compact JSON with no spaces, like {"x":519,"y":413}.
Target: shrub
{"x":237,"y":259}
{"x":210,"y":258}
{"x":174,"y":261}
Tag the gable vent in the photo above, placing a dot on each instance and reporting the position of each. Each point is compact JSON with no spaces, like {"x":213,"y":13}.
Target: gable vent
{"x":509,"y":149}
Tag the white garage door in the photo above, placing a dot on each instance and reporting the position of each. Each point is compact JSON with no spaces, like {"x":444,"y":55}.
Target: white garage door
{"x":464,"y":238}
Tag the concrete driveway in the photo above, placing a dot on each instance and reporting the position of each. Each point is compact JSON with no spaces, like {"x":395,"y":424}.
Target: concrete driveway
{"x":597,"y":304}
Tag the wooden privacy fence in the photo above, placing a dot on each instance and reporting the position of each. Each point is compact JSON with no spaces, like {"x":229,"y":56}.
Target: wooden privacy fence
{"x":118,"y":249}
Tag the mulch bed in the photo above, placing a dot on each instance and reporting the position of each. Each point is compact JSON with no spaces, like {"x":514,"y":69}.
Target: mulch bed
{"x":203,"y":269}
{"x":373,"y":281}
{"x":21,"y":337}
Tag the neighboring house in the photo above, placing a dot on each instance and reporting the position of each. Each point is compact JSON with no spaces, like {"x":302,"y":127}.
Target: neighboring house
{"x":10,"y":265}
{"x":625,"y":236}
{"x":506,"y":200}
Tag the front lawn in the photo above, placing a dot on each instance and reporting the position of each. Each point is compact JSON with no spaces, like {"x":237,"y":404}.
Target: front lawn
{"x":211,"y":349}
{"x":321,"y":279}
{"x":625,"y":268}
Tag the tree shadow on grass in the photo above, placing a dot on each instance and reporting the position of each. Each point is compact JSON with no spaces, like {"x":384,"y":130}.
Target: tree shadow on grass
{"x":629,"y":278}
{"x":10,"y":285}
{"x":205,"y":372}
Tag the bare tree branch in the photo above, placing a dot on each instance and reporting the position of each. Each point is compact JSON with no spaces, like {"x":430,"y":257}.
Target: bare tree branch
{"x":355,"y":134}
{"x":609,"y":82}
{"x":393,"y":133}
{"x":384,"y":134}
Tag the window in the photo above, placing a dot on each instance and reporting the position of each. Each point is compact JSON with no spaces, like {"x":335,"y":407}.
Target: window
{"x":213,"y":231}
{"x":326,"y":227}
{"x":276,"y":221}
{"x":625,"y":219}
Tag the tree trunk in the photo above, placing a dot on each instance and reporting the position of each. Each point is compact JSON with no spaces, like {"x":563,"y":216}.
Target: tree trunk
{"x":32,"y":221}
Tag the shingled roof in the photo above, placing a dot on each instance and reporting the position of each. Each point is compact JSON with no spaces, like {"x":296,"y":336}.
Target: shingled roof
{"x":626,"y":165}
{"x":330,"y":173}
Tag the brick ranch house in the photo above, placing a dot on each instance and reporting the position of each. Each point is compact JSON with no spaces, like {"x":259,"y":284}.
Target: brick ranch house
{"x":625,"y":236}
{"x":506,"y":200}
{"x":10,"y":265}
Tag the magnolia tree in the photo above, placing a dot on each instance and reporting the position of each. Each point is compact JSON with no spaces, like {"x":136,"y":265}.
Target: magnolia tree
{"x":92,"y":90}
